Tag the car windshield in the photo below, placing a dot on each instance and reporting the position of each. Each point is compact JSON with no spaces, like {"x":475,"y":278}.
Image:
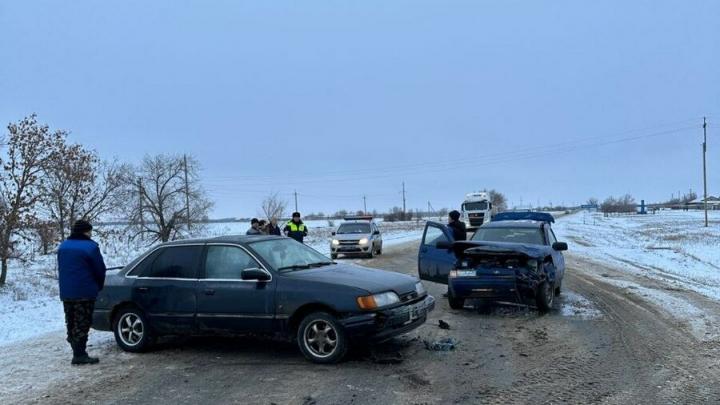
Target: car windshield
{"x":353,"y":228}
{"x":285,"y":254}
{"x":532,"y":236}
{"x":475,"y":206}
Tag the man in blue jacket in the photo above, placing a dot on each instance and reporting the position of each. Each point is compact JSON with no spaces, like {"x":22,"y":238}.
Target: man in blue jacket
{"x":81,"y":275}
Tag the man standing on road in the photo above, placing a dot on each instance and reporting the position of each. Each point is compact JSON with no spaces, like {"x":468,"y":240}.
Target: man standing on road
{"x":295,"y":228}
{"x":81,"y":272}
{"x":254,"y":227}
{"x":457,"y":226}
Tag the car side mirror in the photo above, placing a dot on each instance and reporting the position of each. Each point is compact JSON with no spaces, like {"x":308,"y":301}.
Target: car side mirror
{"x":560,"y":246}
{"x":443,"y":244}
{"x":255,"y":274}
{"x":376,"y":233}
{"x":333,"y":233}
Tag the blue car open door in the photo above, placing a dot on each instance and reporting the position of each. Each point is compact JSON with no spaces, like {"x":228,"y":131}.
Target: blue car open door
{"x":434,"y":264}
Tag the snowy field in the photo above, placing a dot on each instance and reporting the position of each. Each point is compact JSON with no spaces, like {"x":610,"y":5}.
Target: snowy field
{"x":29,"y":301}
{"x":672,"y":246}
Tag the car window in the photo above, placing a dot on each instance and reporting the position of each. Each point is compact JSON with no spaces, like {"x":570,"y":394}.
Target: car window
{"x":227,"y":262}
{"x":286,"y":253}
{"x":433,"y":235}
{"x":353,"y":228}
{"x":551,"y":236}
{"x":143,"y":266}
{"x":531,"y":236}
{"x":175,"y":262}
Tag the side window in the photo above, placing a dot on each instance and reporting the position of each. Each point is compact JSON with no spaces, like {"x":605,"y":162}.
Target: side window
{"x":145,"y":264}
{"x":551,"y":237}
{"x":434,"y":235}
{"x":175,"y":262}
{"x":227,"y":262}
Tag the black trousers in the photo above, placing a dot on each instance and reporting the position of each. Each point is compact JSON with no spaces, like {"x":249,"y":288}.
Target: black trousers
{"x":78,"y":319}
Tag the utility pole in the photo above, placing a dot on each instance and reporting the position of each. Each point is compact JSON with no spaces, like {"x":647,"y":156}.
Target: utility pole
{"x":364,"y":205}
{"x":296,"y":209}
{"x":187,"y":191}
{"x":403,"y":192}
{"x":140,"y":207}
{"x":705,"y":170}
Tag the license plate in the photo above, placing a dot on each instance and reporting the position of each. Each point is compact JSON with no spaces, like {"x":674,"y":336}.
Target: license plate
{"x":415,"y":313}
{"x":467,"y":273}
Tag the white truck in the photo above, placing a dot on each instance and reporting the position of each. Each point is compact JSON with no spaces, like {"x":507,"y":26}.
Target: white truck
{"x":476,"y":210}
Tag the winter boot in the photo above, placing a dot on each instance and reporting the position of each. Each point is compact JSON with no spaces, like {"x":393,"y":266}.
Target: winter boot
{"x":80,"y":356}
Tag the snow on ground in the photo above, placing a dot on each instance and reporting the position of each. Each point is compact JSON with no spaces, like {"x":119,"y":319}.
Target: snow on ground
{"x":29,"y":303}
{"x":576,"y":306}
{"x":672,"y":246}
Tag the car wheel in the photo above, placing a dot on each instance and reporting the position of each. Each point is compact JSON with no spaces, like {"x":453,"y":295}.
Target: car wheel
{"x":558,"y":288}
{"x":371,"y":254}
{"x":131,"y":329}
{"x":321,"y":338}
{"x":455,"y":303}
{"x":379,"y":252}
{"x":333,"y":256}
{"x":544,"y":297}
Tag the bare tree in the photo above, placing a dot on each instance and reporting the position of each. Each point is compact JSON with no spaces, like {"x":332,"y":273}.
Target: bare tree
{"x":162,"y":213}
{"x":29,"y":147}
{"x":273,"y":206}
{"x":593,"y":202}
{"x":498,"y":200}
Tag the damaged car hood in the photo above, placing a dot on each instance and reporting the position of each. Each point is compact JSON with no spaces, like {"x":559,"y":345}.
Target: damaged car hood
{"x":466,"y":248}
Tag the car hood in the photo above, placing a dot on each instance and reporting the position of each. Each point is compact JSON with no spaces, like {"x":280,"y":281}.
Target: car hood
{"x":350,"y":275}
{"x":351,"y":236}
{"x":465,"y":248}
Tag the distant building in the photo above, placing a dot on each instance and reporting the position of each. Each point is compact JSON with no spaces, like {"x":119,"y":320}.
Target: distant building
{"x":713,"y":203}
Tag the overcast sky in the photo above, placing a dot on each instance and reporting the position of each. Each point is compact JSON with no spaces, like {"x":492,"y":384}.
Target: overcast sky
{"x":546,"y":101}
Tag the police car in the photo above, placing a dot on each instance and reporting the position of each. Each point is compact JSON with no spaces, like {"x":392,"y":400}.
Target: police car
{"x":357,"y":236}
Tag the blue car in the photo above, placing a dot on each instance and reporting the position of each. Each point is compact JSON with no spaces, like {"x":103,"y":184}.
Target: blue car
{"x":513,"y":258}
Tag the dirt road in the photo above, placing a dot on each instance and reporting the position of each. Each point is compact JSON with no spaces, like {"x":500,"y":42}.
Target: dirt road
{"x":602,"y":344}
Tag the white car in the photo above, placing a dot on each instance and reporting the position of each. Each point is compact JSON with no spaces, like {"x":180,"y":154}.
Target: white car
{"x":357,"y":236}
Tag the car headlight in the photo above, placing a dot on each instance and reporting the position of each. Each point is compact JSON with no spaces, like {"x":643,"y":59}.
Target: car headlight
{"x":375,"y":301}
{"x":364,"y":241}
{"x":420,"y":288}
{"x":335,"y":242}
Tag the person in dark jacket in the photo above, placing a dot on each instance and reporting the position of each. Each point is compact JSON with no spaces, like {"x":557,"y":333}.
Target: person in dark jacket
{"x":295,"y":228}
{"x":457,"y":226}
{"x":273,"y":228}
{"x":254,"y":227}
{"x":81,"y":270}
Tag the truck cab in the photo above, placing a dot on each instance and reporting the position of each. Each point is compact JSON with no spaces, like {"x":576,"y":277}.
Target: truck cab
{"x":476,"y":210}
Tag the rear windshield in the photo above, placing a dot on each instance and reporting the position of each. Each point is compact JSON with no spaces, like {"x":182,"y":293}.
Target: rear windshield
{"x":531,"y":236}
{"x":475,"y":206}
{"x":354,"y":228}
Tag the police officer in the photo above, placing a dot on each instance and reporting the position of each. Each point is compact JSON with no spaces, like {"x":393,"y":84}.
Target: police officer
{"x":457,"y":226}
{"x":295,"y":228}
{"x":81,"y":272}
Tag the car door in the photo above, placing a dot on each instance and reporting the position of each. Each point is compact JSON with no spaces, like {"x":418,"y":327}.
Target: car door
{"x":557,"y":257}
{"x":165,"y":286}
{"x":226,"y":302}
{"x":435,"y":264}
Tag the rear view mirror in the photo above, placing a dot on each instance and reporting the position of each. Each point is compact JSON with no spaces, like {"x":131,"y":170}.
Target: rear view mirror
{"x":333,"y":233}
{"x":255,"y":274}
{"x":443,"y":244}
{"x":560,"y":246}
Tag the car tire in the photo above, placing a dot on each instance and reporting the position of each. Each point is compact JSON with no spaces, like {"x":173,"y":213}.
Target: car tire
{"x":544,"y":297}
{"x":455,"y":303}
{"x":333,"y":256}
{"x":322,"y":339}
{"x":371,"y":254}
{"x":131,"y":329}
{"x":379,"y":252}
{"x":558,"y":288}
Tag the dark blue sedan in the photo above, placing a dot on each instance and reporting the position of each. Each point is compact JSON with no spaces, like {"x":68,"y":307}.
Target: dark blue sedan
{"x":505,"y":260}
{"x":257,"y":284}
